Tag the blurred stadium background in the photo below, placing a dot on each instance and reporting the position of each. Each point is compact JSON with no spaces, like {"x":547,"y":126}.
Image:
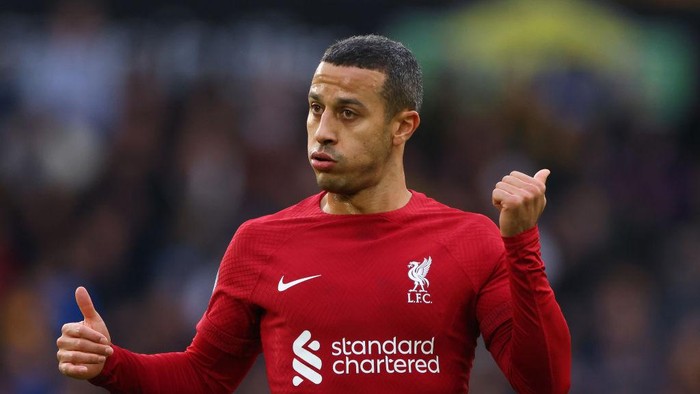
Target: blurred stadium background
{"x":136,"y":136}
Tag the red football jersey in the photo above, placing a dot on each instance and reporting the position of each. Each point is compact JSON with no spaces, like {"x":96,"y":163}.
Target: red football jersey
{"x":390,"y":303}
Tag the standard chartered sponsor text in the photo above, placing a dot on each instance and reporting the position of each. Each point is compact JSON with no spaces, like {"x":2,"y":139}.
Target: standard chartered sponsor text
{"x":389,"y":356}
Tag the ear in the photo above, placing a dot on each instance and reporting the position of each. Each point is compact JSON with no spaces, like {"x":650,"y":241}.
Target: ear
{"x":406,"y":123}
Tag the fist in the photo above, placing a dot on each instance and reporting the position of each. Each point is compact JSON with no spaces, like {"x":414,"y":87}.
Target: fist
{"x":520,"y":199}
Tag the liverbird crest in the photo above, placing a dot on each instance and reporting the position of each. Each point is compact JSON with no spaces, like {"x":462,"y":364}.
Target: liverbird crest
{"x":417,"y":273}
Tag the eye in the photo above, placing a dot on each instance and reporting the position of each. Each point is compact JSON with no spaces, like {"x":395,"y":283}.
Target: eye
{"x":315,"y":108}
{"x":348,"y":114}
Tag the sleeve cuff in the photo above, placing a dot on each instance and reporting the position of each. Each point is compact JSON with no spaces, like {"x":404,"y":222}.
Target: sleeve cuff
{"x":106,"y":376}
{"x":526,"y":238}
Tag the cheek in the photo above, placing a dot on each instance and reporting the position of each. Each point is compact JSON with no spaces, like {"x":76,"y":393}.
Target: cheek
{"x":373,"y":149}
{"x":309,"y":124}
{"x":310,"y":131}
{"x":381,"y":143}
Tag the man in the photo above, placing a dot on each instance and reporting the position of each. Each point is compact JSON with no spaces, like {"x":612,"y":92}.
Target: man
{"x":367,"y":286}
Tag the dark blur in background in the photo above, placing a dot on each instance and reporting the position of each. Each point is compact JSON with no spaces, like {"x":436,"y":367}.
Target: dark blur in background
{"x":135,"y":138}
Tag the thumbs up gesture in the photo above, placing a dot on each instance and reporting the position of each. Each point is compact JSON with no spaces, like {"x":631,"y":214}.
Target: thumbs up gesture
{"x":520,"y":200}
{"x":83,"y":347}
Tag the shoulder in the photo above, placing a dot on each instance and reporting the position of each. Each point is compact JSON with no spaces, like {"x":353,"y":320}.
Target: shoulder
{"x":472,"y":238}
{"x":299,"y":212}
{"x":453,"y":219}
{"x":265,"y":232}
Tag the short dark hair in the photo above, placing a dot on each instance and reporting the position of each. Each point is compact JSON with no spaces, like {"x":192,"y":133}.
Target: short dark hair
{"x":403,"y":86}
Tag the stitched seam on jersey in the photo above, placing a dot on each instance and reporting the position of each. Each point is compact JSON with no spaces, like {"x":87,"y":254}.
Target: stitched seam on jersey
{"x":249,"y":295}
{"x":222,"y":336}
{"x":267,"y":259}
{"x":460,"y":264}
{"x":545,"y":335}
{"x":444,"y":245}
{"x":476,"y":289}
{"x":532,"y":288}
{"x":497,"y":315}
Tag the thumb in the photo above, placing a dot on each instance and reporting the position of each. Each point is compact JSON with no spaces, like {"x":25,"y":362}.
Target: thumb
{"x":82,"y":298}
{"x":542,"y":175}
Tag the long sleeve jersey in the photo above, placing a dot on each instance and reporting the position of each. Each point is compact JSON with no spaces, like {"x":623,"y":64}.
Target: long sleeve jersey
{"x":390,"y":302}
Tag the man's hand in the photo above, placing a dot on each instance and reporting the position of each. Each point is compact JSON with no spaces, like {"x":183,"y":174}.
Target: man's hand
{"x":83,"y":347}
{"x":520,"y":199}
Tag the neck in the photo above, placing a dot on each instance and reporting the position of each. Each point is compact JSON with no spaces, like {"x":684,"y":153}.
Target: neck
{"x":366,"y":201}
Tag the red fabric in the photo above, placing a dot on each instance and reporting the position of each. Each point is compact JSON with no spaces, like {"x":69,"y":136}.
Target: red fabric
{"x":358,"y":321}
{"x":534,"y":348}
{"x":202,"y":368}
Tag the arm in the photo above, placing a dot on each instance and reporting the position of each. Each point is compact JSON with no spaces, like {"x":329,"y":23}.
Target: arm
{"x":202,"y":368}
{"x":221,"y":353}
{"x":85,"y":352}
{"x":533,"y":348}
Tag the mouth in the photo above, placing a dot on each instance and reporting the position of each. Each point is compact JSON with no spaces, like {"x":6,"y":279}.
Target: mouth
{"x":321,"y":156}
{"x":322,"y":161}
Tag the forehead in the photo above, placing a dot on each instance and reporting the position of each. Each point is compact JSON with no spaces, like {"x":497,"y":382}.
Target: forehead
{"x":331,"y":80}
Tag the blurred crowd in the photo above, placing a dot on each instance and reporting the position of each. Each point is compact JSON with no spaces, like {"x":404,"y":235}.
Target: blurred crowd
{"x":132,"y":149}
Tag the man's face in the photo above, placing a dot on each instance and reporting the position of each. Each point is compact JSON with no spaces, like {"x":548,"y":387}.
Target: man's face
{"x":349,"y":139}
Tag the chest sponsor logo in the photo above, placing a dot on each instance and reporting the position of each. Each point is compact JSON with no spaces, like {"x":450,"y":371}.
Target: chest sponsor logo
{"x":418,"y":272}
{"x":363,"y":357}
{"x":305,"y":363}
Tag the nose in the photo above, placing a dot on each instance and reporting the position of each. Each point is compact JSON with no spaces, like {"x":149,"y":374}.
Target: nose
{"x":324,"y":129}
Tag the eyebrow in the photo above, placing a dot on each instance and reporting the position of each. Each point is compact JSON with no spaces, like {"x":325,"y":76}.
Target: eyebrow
{"x":342,"y":101}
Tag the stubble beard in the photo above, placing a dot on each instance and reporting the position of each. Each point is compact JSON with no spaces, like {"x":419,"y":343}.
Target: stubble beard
{"x":359,"y":179}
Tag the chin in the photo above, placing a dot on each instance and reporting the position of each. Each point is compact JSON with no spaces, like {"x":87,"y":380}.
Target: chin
{"x":333,"y":184}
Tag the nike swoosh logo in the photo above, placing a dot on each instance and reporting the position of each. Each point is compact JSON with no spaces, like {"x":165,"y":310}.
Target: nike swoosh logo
{"x":284,"y":286}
